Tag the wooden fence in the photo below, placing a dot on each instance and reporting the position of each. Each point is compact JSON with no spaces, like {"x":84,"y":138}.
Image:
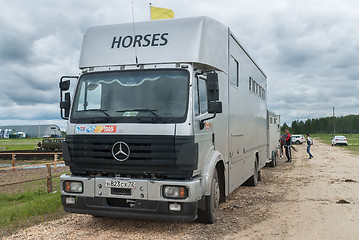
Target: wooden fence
{"x":48,"y":168}
{"x":13,"y":158}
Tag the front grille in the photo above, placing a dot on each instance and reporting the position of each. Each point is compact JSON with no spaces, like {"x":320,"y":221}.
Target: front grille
{"x":149,"y":154}
{"x":147,"y":150}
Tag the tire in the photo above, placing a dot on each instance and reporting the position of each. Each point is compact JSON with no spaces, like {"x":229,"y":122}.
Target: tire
{"x":273,"y":163}
{"x":208,"y":215}
{"x":259,"y":175}
{"x":253,"y":180}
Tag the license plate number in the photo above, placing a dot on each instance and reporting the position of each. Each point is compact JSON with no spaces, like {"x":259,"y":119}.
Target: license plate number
{"x":120,"y":184}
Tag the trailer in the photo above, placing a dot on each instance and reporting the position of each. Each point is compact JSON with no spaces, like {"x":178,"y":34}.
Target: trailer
{"x":168,"y":118}
{"x":273,"y":138}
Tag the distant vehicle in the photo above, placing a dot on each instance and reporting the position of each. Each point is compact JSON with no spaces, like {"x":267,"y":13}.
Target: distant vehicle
{"x":339,"y":140}
{"x":52,"y":143}
{"x":298,"y":139}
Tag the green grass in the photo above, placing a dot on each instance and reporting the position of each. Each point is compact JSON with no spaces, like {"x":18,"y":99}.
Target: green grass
{"x":11,"y":144}
{"x":353,"y":141}
{"x":34,"y":205}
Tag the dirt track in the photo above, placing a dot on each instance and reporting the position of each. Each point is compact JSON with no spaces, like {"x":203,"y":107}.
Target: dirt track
{"x":305,"y":199}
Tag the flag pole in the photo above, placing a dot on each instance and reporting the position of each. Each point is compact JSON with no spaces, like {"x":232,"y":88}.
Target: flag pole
{"x":150,"y":12}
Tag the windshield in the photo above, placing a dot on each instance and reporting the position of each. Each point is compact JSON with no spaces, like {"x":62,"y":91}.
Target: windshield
{"x":132,"y":96}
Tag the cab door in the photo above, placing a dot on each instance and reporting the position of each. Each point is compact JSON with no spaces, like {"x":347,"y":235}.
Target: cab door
{"x":203,"y":137}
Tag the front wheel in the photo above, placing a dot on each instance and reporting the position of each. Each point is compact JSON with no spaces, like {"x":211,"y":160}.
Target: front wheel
{"x":208,"y":215}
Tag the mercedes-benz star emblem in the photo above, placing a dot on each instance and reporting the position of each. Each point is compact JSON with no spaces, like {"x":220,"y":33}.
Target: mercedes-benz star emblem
{"x":121,"y":151}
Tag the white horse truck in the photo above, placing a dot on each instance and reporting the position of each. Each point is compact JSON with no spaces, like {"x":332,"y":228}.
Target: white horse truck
{"x":167,"y":119}
{"x":273,"y":138}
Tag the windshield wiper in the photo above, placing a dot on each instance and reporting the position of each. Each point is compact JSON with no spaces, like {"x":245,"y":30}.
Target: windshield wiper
{"x":96,"y":110}
{"x":152,"y":111}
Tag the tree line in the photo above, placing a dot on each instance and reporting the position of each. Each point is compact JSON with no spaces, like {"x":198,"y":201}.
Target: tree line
{"x":329,"y":125}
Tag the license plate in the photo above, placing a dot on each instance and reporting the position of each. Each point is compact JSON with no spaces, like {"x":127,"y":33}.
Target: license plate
{"x":120,"y":184}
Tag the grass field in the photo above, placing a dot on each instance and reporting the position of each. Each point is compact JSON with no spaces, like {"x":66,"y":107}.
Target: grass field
{"x":11,"y":144}
{"x":26,"y":204}
{"x":31,"y":206}
{"x":353,"y":141}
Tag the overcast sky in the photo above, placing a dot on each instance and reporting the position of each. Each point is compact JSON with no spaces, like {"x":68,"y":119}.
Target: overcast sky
{"x":309,"y":50}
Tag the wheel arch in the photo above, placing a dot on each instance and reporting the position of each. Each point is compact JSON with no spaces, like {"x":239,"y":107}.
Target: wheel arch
{"x":215,"y":163}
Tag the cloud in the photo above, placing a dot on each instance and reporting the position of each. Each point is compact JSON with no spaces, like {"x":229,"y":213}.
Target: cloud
{"x":308,"y":49}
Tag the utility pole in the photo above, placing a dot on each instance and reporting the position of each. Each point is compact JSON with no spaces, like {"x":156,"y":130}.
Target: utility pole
{"x":334,"y":121}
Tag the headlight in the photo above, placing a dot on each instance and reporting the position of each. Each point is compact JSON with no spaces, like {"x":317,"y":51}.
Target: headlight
{"x":73,"y":187}
{"x":175,"y":192}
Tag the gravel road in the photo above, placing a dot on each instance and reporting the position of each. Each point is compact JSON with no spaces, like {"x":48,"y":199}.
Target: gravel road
{"x":305,"y":199}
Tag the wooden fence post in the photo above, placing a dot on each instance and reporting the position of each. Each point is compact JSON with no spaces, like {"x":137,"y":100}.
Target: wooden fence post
{"x":13,"y":157}
{"x":49,"y":178}
{"x":55,"y":162}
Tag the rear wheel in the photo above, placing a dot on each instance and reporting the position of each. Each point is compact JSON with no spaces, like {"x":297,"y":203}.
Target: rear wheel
{"x":208,"y":215}
{"x":273,"y":163}
{"x":259,"y":175}
{"x":252,"y":181}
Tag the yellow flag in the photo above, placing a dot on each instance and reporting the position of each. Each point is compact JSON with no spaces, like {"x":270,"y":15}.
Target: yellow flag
{"x":161,"y":13}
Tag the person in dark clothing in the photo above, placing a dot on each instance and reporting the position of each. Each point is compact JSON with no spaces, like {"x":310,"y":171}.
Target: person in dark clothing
{"x":309,"y":144}
{"x":288,"y":145}
{"x":39,"y":146}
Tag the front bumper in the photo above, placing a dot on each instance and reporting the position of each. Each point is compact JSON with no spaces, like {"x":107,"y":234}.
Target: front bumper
{"x":144,"y":201}
{"x":142,"y":209}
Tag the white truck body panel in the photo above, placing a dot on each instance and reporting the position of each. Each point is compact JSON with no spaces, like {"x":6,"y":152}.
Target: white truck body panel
{"x":203,"y":41}
{"x":246,"y":117}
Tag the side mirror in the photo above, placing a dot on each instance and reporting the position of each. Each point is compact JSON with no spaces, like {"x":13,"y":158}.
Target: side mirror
{"x":65,"y":101}
{"x":64,"y":85}
{"x":215,"y":107}
{"x":65,"y":105}
{"x":212,"y":87}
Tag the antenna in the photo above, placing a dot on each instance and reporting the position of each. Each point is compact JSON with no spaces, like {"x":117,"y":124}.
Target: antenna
{"x":334,"y":119}
{"x":134,"y":31}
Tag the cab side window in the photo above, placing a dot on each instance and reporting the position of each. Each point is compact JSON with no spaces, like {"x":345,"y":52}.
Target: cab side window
{"x":202,"y":89}
{"x":196,"y":97}
{"x":200,"y":98}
